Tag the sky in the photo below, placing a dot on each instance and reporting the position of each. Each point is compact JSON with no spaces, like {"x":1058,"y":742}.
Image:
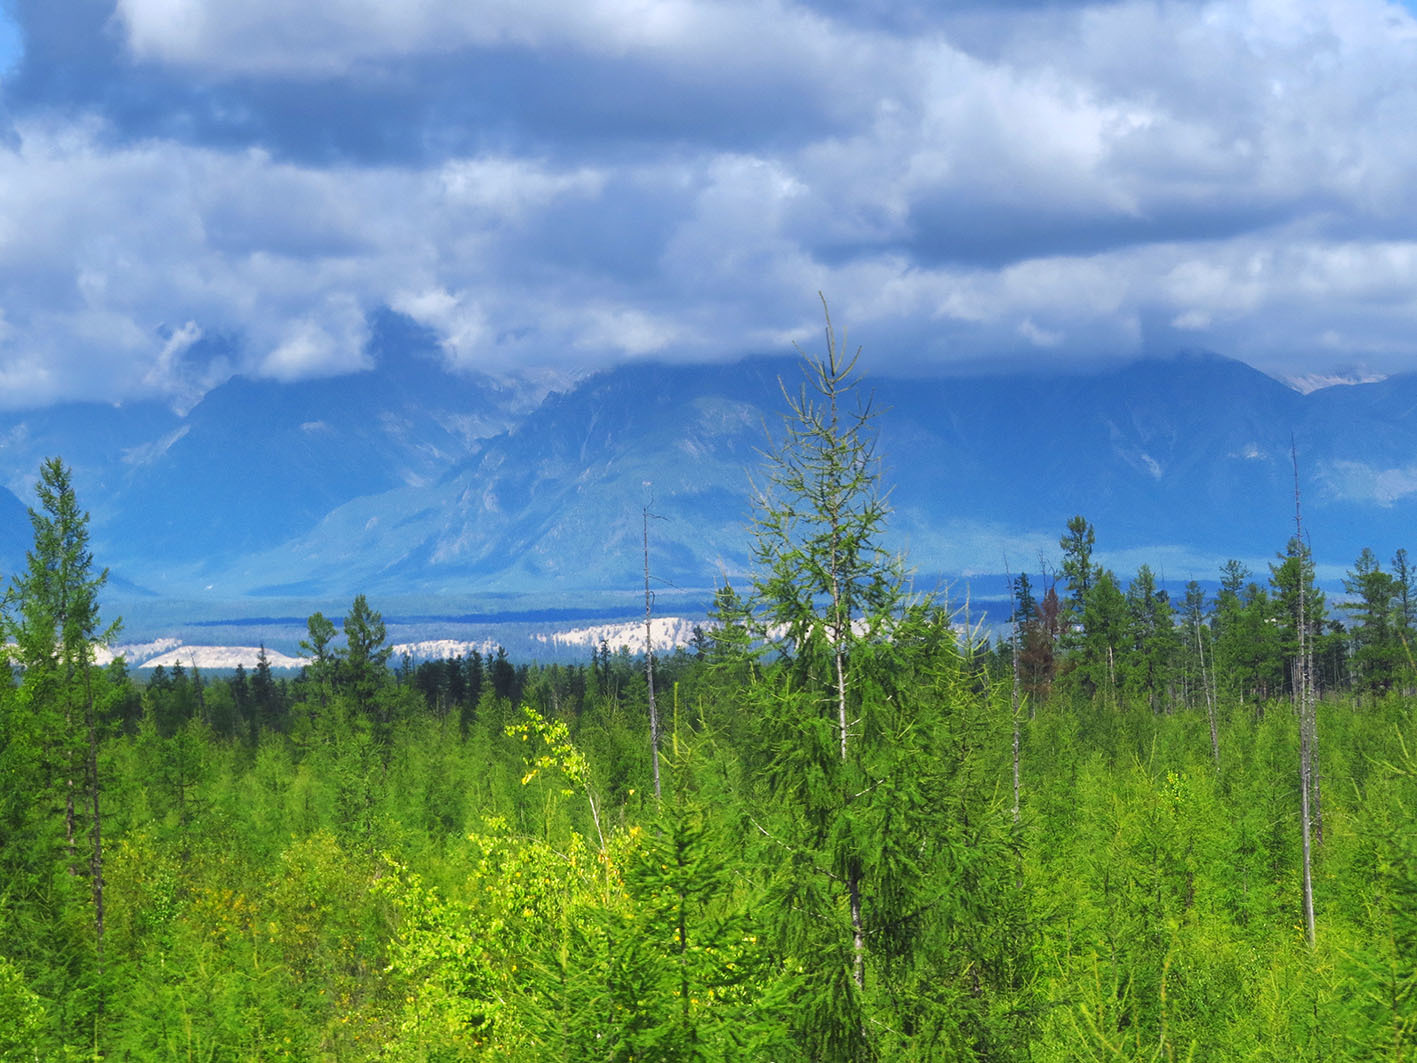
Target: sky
{"x":195,"y":188}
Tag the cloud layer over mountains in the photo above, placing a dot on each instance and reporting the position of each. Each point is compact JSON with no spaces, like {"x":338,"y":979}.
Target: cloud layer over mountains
{"x":192,"y":188}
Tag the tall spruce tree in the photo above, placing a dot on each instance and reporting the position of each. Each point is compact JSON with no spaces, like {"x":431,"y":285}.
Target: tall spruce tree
{"x":1154,"y":645}
{"x":366,"y":656}
{"x":1079,"y":572}
{"x":1102,"y":638}
{"x":1375,"y":613}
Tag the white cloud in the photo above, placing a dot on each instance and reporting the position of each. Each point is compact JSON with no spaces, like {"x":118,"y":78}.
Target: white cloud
{"x":1089,"y":178}
{"x":326,"y":344}
{"x":27,"y":379}
{"x":724,"y":38}
{"x":503,"y":189}
{"x":1356,"y":481}
{"x":147,"y":453}
{"x":1191,"y":320}
{"x":626,"y":329}
{"x":1039,"y":337}
{"x":457,"y":319}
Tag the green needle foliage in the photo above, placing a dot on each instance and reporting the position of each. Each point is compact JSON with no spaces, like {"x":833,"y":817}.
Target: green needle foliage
{"x":463,"y":860}
{"x":864,"y":735}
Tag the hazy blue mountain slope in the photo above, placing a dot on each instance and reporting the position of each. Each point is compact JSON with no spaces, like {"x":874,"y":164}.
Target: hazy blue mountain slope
{"x":1182,"y":461}
{"x":260,"y":461}
{"x":407,"y":479}
{"x":15,"y":534}
{"x":558,"y":500}
{"x":1153,"y":452}
{"x":1364,"y":445}
{"x":100,"y":442}
{"x":257,"y":462}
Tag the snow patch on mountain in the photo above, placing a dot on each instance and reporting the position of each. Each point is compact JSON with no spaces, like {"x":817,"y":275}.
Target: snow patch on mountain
{"x":135,"y":653}
{"x":666,"y":633}
{"x":223,"y":658}
{"x":1311,"y":382}
{"x":442,"y":649}
{"x":168,"y":652}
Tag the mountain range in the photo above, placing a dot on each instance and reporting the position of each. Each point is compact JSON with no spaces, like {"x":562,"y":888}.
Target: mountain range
{"x":450,"y":489}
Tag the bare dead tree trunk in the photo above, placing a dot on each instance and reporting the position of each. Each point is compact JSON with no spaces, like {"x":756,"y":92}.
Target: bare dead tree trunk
{"x":1014,"y":689}
{"x":649,"y":664}
{"x":1111,"y":676}
{"x":96,"y":857}
{"x":1304,"y":785}
{"x":1209,"y":691}
{"x":1314,"y":766}
{"x":1014,"y":699}
{"x":1307,"y":729}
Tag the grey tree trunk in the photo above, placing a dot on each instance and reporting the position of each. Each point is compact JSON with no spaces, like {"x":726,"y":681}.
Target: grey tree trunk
{"x":1308,"y":730}
{"x":96,"y":857}
{"x":1014,"y":696}
{"x":1305,"y":781}
{"x":649,"y":665}
{"x":1209,"y":689}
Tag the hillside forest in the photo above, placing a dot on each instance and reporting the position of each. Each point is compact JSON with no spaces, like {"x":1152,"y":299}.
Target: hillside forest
{"x":843,"y":824}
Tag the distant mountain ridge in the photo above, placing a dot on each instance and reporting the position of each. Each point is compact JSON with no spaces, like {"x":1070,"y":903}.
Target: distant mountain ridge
{"x":409,"y":479}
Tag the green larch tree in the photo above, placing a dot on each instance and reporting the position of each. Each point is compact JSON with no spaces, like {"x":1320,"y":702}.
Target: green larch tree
{"x":868,"y":723}
{"x":827,"y":581}
{"x":53,"y":620}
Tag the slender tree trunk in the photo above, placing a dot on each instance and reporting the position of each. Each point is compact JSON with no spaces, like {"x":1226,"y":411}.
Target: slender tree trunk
{"x":649,"y":665}
{"x":69,"y":817}
{"x":1016,"y":735}
{"x":853,"y":874}
{"x":1014,"y":694}
{"x":1111,"y":676}
{"x":1209,"y":699}
{"x":1308,"y":731}
{"x":842,"y":723}
{"x":841,"y":632}
{"x":96,"y":858}
{"x":858,"y":933}
{"x":1308,"y":881}
{"x":71,"y":768}
{"x":1314,"y":774}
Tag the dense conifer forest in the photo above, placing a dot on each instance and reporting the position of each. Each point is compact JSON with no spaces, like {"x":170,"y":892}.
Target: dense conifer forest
{"x":879,"y":833}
